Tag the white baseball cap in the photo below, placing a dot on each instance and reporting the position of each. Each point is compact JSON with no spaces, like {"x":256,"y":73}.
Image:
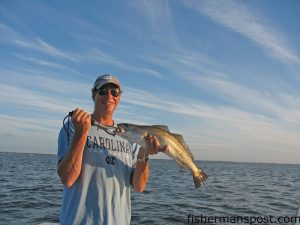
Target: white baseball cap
{"x":106,"y":79}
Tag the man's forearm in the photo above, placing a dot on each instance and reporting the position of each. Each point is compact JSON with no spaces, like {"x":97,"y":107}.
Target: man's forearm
{"x":70,"y":166}
{"x":140,"y":176}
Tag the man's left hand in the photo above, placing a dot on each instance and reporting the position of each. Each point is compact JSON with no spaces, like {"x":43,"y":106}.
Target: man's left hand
{"x":153,"y":145}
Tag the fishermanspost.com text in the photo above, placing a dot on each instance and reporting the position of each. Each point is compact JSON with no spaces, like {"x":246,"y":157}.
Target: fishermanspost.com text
{"x":252,"y":220}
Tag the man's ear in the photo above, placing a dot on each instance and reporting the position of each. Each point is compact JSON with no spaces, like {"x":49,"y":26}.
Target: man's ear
{"x":94,"y":94}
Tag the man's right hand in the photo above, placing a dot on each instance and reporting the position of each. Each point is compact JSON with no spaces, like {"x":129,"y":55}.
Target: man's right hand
{"x":81,"y":121}
{"x":70,"y":166}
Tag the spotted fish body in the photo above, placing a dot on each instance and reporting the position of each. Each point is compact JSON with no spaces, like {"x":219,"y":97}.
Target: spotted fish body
{"x":177,"y":147}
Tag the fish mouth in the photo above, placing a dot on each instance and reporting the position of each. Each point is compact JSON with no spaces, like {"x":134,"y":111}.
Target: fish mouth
{"x":120,"y":130}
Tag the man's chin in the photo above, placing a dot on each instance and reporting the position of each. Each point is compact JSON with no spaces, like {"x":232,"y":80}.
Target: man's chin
{"x":109,"y":108}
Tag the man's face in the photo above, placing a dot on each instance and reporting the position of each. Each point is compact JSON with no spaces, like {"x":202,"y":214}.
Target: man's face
{"x":105,"y":101}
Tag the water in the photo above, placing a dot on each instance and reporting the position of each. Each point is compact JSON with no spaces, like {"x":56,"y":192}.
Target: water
{"x":31,"y":191}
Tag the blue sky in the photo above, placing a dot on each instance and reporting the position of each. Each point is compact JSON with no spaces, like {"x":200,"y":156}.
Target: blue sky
{"x":224,"y":74}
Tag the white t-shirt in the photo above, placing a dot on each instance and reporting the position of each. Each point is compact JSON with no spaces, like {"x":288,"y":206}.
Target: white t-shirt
{"x":101,"y":194}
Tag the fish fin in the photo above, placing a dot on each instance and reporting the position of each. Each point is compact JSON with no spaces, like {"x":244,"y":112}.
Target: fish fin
{"x":180,"y":138}
{"x":180,"y":164}
{"x":190,"y":153}
{"x":199,"y":178}
{"x":162,"y":127}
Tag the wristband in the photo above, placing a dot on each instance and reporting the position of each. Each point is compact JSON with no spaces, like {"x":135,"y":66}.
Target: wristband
{"x":144,"y":158}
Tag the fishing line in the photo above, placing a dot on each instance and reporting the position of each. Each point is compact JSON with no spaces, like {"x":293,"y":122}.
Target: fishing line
{"x":68,"y":125}
{"x":110,"y":131}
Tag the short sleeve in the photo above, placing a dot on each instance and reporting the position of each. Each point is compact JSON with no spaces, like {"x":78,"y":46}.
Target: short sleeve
{"x":135,"y":151}
{"x":64,"y":140}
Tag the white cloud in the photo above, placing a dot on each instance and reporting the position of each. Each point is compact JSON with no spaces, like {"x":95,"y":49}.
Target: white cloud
{"x":39,"y":45}
{"x":245,"y":121}
{"x":46,"y":63}
{"x":10,"y":36}
{"x":222,"y":128}
{"x":43,"y":81}
{"x":15,"y":126}
{"x":19,"y":97}
{"x":47,"y":48}
{"x":157,"y":13}
{"x":22,"y":134}
{"x":157,"y":18}
{"x":188,"y":107}
{"x":280,"y":106}
{"x":248,"y":22}
{"x":98,"y":55}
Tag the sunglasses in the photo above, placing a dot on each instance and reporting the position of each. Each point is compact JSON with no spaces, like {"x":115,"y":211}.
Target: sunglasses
{"x":113,"y":92}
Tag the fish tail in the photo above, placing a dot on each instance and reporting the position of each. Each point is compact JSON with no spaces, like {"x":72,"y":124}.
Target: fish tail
{"x":199,"y":178}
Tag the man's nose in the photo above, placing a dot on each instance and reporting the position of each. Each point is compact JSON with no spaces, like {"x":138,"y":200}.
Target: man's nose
{"x":109,"y":95}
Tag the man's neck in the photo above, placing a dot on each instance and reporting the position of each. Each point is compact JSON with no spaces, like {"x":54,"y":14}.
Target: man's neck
{"x":104,"y":120}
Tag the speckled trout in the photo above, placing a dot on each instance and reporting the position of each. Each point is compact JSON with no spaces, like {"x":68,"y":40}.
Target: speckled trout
{"x":177,"y":147}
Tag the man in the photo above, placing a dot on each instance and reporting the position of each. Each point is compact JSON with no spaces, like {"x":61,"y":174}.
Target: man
{"x":96,"y":166}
